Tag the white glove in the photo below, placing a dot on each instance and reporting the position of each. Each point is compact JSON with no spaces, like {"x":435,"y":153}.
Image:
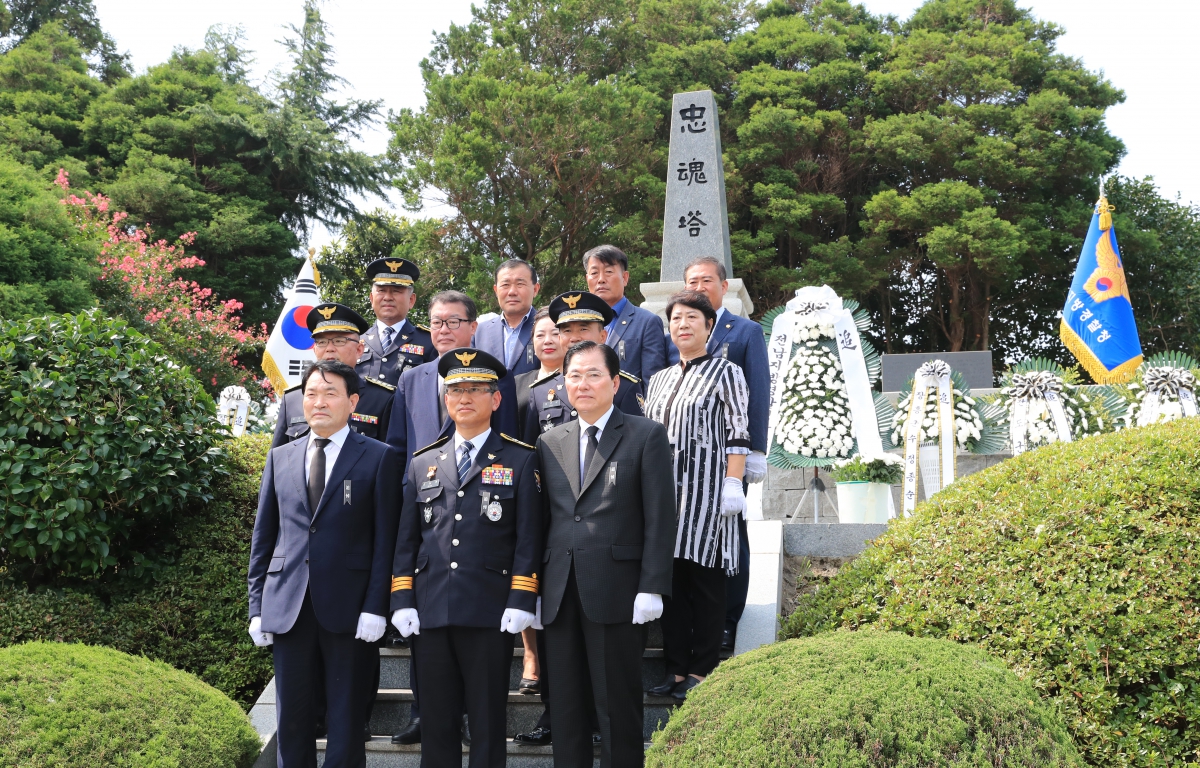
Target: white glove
{"x":516,"y":621}
{"x":756,"y":468}
{"x":370,"y":627}
{"x":260,"y":638}
{"x":646,"y":607}
{"x":733,"y":501}
{"x":537,"y":617}
{"x":406,"y":621}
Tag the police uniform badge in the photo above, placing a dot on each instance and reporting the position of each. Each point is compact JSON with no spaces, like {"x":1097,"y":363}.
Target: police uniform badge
{"x":494,"y":511}
{"x":428,"y":513}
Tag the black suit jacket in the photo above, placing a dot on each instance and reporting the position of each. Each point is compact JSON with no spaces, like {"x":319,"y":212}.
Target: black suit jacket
{"x":341,"y":553}
{"x":618,"y":528}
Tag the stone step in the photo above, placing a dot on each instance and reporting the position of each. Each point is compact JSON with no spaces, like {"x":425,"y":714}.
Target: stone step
{"x":382,"y":753}
{"x":394,"y":668}
{"x":392,"y":705}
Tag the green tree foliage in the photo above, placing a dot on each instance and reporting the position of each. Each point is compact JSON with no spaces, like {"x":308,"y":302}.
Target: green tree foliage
{"x":46,"y":264}
{"x":1076,"y":564}
{"x":1159,"y":241}
{"x":104,"y":439}
{"x":22,"y":18}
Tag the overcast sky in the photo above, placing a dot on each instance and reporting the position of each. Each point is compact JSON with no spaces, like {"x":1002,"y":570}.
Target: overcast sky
{"x":1147,"y":49}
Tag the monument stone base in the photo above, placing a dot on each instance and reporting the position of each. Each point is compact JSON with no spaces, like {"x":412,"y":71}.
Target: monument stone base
{"x":737,"y":300}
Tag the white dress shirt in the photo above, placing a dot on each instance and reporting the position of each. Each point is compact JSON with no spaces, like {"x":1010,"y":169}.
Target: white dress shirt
{"x":332,"y":449}
{"x":476,"y":443}
{"x":583,"y":437}
{"x":395,"y":330}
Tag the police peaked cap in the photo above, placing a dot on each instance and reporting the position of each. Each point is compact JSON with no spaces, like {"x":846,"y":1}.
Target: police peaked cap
{"x":393,"y":271}
{"x":580,"y":306}
{"x":466,"y":364}
{"x":335,"y":318}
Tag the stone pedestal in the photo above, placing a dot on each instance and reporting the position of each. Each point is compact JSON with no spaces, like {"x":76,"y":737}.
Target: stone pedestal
{"x":737,"y":300}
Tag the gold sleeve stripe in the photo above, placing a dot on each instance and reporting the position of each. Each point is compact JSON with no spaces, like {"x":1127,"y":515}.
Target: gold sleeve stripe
{"x":402,"y":582}
{"x":525,"y":584}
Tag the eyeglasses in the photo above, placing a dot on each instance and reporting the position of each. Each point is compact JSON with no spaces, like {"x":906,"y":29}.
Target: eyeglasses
{"x":451,"y":322}
{"x":337,"y":343}
{"x":592,"y":377}
{"x":457,"y":393}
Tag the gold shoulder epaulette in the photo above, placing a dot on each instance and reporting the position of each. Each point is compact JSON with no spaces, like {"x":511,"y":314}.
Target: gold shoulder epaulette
{"x":631,"y":377}
{"x":423,"y":328}
{"x":379,"y":383}
{"x":435,"y":444}
{"x":544,"y":379}
{"x":518,"y":442}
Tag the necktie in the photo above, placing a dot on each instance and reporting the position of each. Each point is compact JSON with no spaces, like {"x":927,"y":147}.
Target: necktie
{"x":316,"y":474}
{"x":589,"y":453}
{"x":464,"y":460}
{"x":388,"y":334}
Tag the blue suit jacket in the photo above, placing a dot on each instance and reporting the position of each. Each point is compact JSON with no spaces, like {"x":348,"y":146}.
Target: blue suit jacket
{"x":415,"y":413}
{"x":341,"y":553}
{"x":637,"y":336}
{"x":489,"y":337}
{"x":741,"y":341}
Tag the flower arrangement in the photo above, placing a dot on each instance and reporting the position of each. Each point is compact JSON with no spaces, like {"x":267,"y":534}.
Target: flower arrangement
{"x":886,"y":468}
{"x":1087,"y":410}
{"x":815,"y":425}
{"x":1156,"y":394}
{"x":976,"y":423}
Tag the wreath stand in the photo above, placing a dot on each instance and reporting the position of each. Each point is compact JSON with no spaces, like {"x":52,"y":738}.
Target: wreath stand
{"x":817,"y":489}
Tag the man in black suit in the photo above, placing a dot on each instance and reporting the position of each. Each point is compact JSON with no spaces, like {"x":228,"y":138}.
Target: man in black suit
{"x":320,"y":566}
{"x":609,"y":503}
{"x":465,"y":574}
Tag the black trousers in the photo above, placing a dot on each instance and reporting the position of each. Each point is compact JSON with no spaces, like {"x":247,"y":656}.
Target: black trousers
{"x":608,"y":657}
{"x":544,"y":720}
{"x":463,"y":666}
{"x":693,"y":618}
{"x":301,"y":654}
{"x":737,"y":586}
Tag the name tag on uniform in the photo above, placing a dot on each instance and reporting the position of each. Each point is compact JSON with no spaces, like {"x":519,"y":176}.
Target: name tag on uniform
{"x":412,"y":349}
{"x":346,"y":492}
{"x":496,"y":475}
{"x":555,"y":404}
{"x":430,"y":484}
{"x":364,"y":418}
{"x":295,"y":420}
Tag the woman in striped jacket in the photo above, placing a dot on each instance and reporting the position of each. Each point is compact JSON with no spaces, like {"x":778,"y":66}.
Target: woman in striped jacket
{"x":702,"y":403}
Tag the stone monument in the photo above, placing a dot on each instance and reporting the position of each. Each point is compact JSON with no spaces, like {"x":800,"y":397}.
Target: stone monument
{"x":696,"y":222}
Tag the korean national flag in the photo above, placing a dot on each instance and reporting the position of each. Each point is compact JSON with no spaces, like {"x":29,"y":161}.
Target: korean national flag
{"x":290,"y":348}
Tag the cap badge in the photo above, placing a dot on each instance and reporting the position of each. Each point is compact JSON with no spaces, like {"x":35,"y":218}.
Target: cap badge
{"x":394,"y":265}
{"x":326,"y":312}
{"x":466,"y":357}
{"x":571,"y":301}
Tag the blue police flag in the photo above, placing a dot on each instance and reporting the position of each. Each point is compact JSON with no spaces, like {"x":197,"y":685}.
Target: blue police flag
{"x":1097,"y":322}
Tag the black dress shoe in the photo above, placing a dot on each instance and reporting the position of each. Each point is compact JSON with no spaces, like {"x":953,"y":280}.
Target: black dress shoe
{"x":410,"y":735}
{"x":595,"y":738}
{"x":537,"y":737}
{"x":393,"y":639}
{"x":666,"y":687}
{"x":366,"y":732}
{"x":322,"y":731}
{"x":727,"y":639}
{"x":681,"y":691}
{"x":466,"y":732}
{"x":529,"y":686}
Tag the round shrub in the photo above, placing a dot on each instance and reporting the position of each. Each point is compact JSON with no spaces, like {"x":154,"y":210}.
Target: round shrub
{"x":1077,"y":564}
{"x":75,"y":705}
{"x":100,"y":434}
{"x":848,"y":699}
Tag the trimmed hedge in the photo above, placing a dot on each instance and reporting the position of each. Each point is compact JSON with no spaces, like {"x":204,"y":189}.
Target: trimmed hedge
{"x":74,"y":705}
{"x":102,"y":439}
{"x":849,"y":699}
{"x":191,"y":614}
{"x":1077,"y":564}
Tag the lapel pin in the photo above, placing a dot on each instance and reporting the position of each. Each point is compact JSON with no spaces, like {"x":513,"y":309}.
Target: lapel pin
{"x":432,"y":472}
{"x":491,"y":456}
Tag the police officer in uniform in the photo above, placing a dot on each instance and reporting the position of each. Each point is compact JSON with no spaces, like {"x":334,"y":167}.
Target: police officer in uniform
{"x":580,"y":316}
{"x":336,"y":330}
{"x":393,"y":344}
{"x":465,"y":575}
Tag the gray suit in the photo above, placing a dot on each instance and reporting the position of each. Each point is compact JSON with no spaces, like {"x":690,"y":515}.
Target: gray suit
{"x":607,"y":540}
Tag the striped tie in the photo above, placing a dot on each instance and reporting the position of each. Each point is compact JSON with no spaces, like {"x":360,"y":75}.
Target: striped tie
{"x":388,"y":334}
{"x":464,"y":461}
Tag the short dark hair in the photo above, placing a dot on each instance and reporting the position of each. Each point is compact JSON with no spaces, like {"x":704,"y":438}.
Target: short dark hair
{"x":695,"y":300}
{"x":541,"y":314}
{"x":607,"y":254}
{"x":334,"y":368}
{"x":713,"y":260}
{"x":611,"y":361}
{"x":513,"y":264}
{"x":456,"y":297}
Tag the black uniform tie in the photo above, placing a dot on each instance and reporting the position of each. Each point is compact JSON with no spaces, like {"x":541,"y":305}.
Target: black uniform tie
{"x":589,"y":453}
{"x":316,"y":474}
